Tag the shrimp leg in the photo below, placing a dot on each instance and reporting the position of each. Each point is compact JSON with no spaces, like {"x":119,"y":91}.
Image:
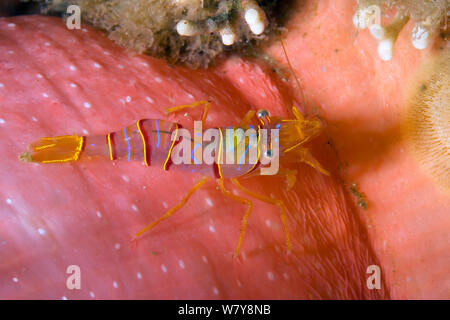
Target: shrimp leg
{"x":246,"y":215}
{"x":276,"y":202}
{"x":290,"y":176}
{"x":247,"y":119}
{"x":172,"y":210}
{"x":204,"y":103}
{"x":303,"y":155}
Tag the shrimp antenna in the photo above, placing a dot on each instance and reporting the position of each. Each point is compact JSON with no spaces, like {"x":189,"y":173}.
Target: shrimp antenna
{"x":297,"y":80}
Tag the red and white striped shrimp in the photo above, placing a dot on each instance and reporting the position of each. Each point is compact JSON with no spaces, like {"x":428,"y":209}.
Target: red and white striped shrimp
{"x":152,"y":141}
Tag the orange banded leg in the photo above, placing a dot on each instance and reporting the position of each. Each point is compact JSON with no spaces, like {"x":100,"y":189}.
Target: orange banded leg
{"x":305,"y":156}
{"x":172,"y":210}
{"x":246,"y":215}
{"x":290,"y":176}
{"x":276,"y":202}
{"x":196,"y":104}
{"x":247,"y":119}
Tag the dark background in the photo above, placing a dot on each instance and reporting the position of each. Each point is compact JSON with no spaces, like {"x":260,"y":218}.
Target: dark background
{"x":16,"y":7}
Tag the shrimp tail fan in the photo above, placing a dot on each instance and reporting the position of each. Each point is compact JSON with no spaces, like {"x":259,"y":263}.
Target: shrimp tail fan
{"x":54,"y":149}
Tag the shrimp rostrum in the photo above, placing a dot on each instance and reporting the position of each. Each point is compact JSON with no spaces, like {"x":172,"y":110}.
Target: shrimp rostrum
{"x":258,"y":145}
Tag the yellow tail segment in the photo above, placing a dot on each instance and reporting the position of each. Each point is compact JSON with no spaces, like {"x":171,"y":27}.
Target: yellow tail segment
{"x":54,"y":149}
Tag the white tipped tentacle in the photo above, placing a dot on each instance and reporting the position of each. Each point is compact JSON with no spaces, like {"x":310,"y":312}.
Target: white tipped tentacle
{"x":385,"y":49}
{"x":377,"y":31}
{"x":369,"y":17}
{"x":387,"y":36}
{"x":228,"y":35}
{"x":255,"y":17}
{"x":365,"y":17}
{"x":188,"y":28}
{"x":420,"y":37}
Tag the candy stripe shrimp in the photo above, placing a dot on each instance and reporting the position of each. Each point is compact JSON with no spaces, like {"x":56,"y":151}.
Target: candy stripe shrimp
{"x":153,"y":141}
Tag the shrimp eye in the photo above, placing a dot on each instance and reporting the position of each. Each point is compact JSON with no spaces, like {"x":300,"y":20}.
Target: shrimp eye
{"x":262,"y":114}
{"x":269,"y":153}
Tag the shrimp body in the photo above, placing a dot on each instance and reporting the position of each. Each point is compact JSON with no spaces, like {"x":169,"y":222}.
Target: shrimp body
{"x":244,"y":150}
{"x":154,"y":142}
{"x":146,"y":140}
{"x":151,"y":141}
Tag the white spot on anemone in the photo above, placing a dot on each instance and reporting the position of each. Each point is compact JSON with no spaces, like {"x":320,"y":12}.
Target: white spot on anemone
{"x":163,"y":268}
{"x":270,"y":276}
